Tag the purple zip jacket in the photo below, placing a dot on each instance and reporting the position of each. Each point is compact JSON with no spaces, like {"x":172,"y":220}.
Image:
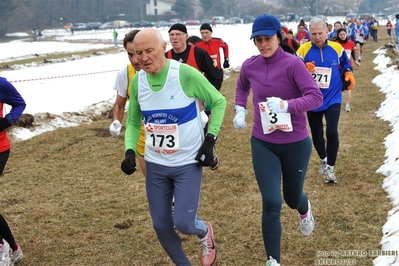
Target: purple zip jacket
{"x":281,"y":75}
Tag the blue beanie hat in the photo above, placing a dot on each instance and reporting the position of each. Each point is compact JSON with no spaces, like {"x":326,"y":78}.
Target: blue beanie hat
{"x":265,"y":25}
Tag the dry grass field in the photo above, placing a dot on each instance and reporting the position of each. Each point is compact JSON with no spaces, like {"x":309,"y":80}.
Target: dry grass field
{"x":68,"y":202}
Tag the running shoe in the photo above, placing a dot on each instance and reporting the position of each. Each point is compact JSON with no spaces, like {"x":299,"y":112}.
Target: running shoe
{"x":16,"y":255}
{"x":322,"y":169}
{"x":5,"y":251}
{"x":272,"y":262}
{"x":208,"y":247}
{"x":330,"y":175}
{"x":306,"y":222}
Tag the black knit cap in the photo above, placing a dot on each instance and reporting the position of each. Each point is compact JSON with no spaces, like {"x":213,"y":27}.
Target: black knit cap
{"x":179,"y":27}
{"x":206,"y":26}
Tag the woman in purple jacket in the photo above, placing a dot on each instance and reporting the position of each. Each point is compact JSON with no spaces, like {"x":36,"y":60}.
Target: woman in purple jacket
{"x":282,"y":92}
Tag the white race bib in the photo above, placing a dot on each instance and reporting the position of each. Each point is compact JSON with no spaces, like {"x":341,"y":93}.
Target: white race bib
{"x":273,"y":121}
{"x":162,"y":138}
{"x":322,"y":76}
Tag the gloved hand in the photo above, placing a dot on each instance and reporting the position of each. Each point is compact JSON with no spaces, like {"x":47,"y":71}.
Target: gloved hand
{"x":276,"y":105}
{"x":239,"y":119}
{"x":204,"y":118}
{"x":4,"y":124}
{"x":226,"y":63}
{"x":128,"y":165}
{"x":349,"y":77}
{"x":310,"y":66}
{"x":205,"y":153}
{"x":345,"y":84}
{"x":115,"y":128}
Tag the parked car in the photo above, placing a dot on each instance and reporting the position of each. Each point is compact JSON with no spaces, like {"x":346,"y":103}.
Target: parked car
{"x":234,"y":20}
{"x":291,"y":16}
{"x":381,"y":16}
{"x":161,"y":24}
{"x":282,"y":18}
{"x":68,"y":26}
{"x":192,"y":22}
{"x":79,"y":26}
{"x":350,"y":16}
{"x":106,"y":25}
{"x":128,"y":25}
{"x":142,"y":24}
{"x":93,"y":25}
{"x":206,"y":20}
{"x":219,"y":20}
{"x":248,"y":19}
{"x":173,"y":21}
{"x":365,"y":16}
{"x":307,"y":18}
{"x":119,"y":23}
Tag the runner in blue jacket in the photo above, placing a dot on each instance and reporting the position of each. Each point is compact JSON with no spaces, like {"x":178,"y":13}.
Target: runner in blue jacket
{"x":326,"y":60}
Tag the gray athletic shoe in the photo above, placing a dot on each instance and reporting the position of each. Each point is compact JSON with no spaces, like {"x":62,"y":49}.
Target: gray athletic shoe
{"x":306,"y":225}
{"x":16,"y":255}
{"x":272,"y":262}
{"x":5,"y":252}
{"x":322,"y":169}
{"x":330,"y":175}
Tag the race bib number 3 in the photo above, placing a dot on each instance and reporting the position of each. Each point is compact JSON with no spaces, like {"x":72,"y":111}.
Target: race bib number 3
{"x":273,"y":121}
{"x":162,"y":138}
{"x":322,"y":76}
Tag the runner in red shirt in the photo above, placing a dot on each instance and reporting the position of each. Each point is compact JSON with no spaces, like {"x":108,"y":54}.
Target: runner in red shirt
{"x":350,"y":49}
{"x":302,"y":35}
{"x":389,"y":28}
{"x":212,"y":46}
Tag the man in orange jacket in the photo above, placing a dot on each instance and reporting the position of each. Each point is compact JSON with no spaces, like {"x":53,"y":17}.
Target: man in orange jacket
{"x":212,"y":46}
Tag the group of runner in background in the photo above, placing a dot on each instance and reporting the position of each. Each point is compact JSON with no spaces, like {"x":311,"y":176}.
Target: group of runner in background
{"x":351,"y":34}
{"x":286,"y":105}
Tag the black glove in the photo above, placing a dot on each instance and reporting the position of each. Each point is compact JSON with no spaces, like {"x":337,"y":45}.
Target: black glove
{"x":128,"y":165}
{"x":205,"y":153}
{"x":226,"y":63}
{"x":4,"y":124}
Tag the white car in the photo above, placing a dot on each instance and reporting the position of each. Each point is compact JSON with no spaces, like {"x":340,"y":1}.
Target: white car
{"x":79,"y":26}
{"x":219,"y":20}
{"x":106,"y":26}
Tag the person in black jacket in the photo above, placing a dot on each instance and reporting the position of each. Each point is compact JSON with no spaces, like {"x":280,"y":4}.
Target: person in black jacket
{"x":291,"y":42}
{"x":192,"y":55}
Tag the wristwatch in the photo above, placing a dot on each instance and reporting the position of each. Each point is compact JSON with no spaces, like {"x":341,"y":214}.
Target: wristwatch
{"x":211,"y":137}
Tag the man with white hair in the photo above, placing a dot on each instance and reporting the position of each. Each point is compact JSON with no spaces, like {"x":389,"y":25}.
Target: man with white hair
{"x":168,"y":94}
{"x":326,"y":60}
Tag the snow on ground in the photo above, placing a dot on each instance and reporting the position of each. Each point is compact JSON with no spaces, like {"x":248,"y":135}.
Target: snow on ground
{"x":76,"y":90}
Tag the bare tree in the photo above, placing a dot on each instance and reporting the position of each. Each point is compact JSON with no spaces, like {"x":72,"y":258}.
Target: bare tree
{"x":184,"y":9}
{"x":232,"y":7}
{"x":13,"y":14}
